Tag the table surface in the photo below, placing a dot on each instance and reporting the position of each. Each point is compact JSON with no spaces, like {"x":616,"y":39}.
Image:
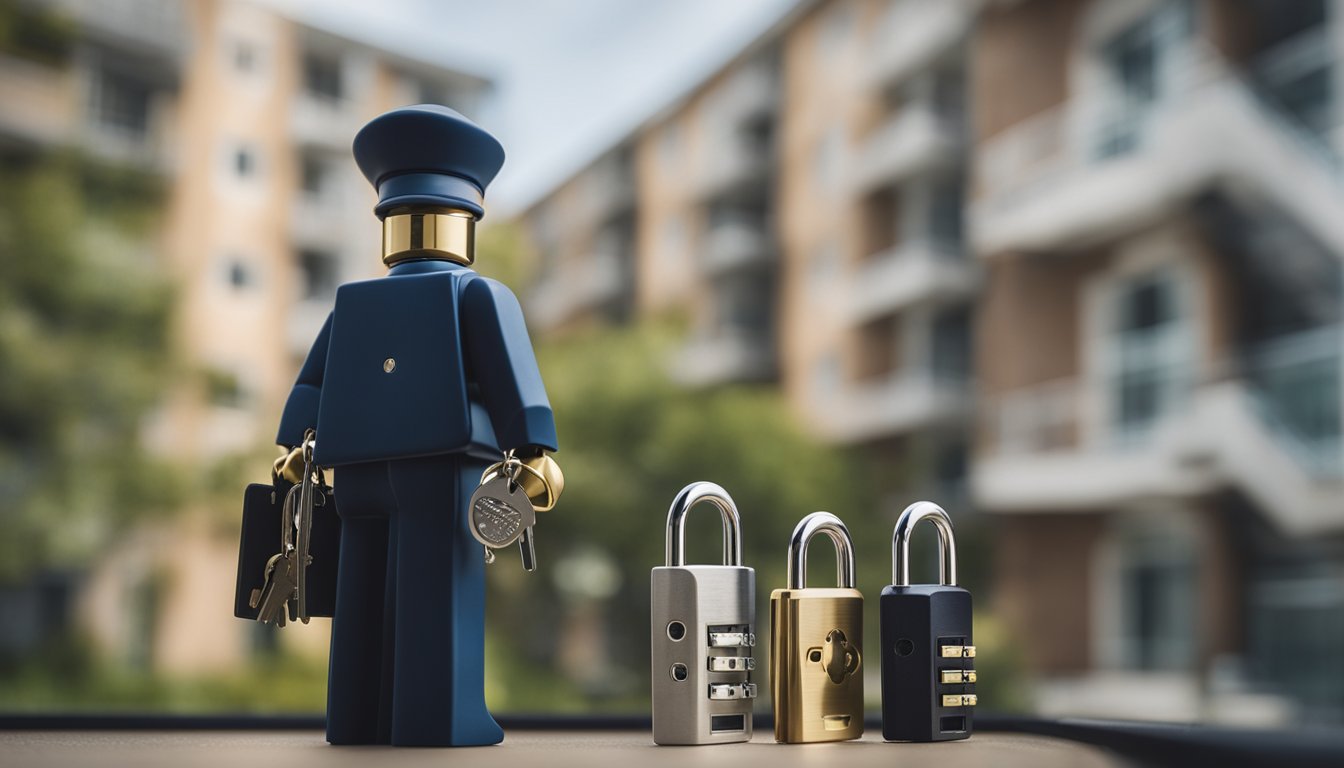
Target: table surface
{"x":553,"y":749}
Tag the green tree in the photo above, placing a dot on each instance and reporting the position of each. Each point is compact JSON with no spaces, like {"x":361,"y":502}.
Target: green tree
{"x":84,"y":349}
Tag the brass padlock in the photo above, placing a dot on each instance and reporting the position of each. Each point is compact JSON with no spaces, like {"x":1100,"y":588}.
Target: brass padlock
{"x":816,"y":639}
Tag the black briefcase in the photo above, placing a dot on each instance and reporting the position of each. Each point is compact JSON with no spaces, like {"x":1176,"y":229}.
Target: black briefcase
{"x":260,"y":539}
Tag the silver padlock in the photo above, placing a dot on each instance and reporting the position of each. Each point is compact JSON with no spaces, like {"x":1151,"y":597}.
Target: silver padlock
{"x":703,"y":624}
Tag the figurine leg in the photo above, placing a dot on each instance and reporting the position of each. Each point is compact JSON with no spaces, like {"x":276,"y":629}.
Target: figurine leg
{"x":438,"y":696}
{"x":357,"y":693}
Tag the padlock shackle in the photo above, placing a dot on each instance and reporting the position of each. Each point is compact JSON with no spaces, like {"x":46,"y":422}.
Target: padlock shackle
{"x":834,"y":529}
{"x":900,"y":543}
{"x":690,"y":496}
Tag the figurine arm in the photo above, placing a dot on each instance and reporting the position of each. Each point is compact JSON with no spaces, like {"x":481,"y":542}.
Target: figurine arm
{"x":499,"y":354}
{"x":301,"y":408}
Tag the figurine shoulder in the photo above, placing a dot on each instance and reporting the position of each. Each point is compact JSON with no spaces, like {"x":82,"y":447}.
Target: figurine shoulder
{"x":484,"y":294}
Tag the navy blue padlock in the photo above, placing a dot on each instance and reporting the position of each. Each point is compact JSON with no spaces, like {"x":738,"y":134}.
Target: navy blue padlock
{"x":928,"y":656}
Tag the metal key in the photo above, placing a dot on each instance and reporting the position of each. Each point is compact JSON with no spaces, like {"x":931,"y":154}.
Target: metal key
{"x":303,"y":525}
{"x":273,"y":598}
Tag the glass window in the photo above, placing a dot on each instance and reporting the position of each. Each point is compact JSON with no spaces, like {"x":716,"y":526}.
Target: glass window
{"x":319,"y":275}
{"x":1157,"y":606}
{"x":322,"y":76}
{"x":244,"y":162}
{"x":121,"y":103}
{"x":1146,"y":353}
{"x":244,"y":56}
{"x":312,"y":174}
{"x":945,"y":210}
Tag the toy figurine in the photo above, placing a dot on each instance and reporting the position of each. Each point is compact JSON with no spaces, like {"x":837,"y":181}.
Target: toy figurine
{"x":416,"y":383}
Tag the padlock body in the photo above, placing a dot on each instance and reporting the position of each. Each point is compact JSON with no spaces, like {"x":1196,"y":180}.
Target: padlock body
{"x":698,"y":615}
{"x":810,"y":703}
{"x":916,"y":623}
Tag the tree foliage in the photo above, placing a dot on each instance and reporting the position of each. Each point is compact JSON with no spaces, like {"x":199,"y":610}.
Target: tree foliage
{"x":84,"y":353}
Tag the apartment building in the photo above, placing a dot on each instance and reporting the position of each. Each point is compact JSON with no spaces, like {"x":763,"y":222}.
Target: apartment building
{"x":1072,"y":265}
{"x":1159,"y":350}
{"x":248,"y":116}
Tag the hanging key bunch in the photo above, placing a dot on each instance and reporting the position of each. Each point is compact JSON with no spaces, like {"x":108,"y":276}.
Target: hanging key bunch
{"x":503,"y":509}
{"x":284,"y":590}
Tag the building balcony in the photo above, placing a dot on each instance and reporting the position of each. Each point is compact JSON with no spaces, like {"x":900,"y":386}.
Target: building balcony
{"x":1048,"y":448}
{"x":894,"y":405}
{"x":916,"y":140}
{"x":607,"y":189}
{"x":735,"y":245}
{"x":323,"y":122}
{"x":156,"y":27}
{"x":911,"y":36}
{"x":576,"y":290}
{"x":735,"y":167}
{"x":46,"y":97}
{"x":906,"y":274}
{"x":316,"y":221}
{"x":726,"y":356}
{"x":750,"y":93}
{"x":1093,"y":168}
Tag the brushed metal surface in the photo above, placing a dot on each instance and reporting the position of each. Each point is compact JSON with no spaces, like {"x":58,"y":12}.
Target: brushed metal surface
{"x":700,"y":597}
{"x":808,"y":704}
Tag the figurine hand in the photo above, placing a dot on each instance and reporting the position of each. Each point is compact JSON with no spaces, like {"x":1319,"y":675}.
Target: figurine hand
{"x":542,"y":480}
{"x":290,"y":466}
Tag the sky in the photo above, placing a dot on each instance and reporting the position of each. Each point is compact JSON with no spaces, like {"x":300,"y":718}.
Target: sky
{"x":572,"y":77}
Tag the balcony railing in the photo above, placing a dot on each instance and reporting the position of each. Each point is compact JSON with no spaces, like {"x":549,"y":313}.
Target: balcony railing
{"x":900,"y":403}
{"x":726,"y":355}
{"x":574,"y":289}
{"x":40,"y":103}
{"x":148,"y":26}
{"x":322,"y":121}
{"x":1094,"y":165}
{"x":916,"y":139}
{"x":736,"y":163}
{"x":736,"y":244}
{"x":912,"y":34}
{"x":923,"y":270}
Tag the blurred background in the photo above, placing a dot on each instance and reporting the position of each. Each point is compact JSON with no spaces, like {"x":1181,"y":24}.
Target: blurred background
{"x":1070,"y":268}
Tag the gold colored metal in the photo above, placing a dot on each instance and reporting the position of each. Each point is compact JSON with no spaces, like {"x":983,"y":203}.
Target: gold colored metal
{"x":957,"y":651}
{"x":290,"y":466}
{"x":959,"y":700}
{"x":816,"y":664}
{"x":957,"y":676}
{"x":429,"y":234}
{"x":540,"y":478}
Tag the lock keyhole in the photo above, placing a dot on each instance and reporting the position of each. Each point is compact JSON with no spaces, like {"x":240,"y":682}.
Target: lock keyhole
{"x":839,"y":657}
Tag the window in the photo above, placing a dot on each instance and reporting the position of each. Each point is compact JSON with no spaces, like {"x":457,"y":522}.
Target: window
{"x":951,"y":348}
{"x":244,"y":162}
{"x":318,"y":275}
{"x":312,"y":174}
{"x":1146,"y":353}
{"x":239,"y":274}
{"x":121,"y":103}
{"x":429,"y":92}
{"x":244,"y":56}
{"x":1136,"y":61}
{"x":881,"y":227}
{"x":322,"y":76}
{"x":945,"y":207}
{"x":1156,"y":582}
